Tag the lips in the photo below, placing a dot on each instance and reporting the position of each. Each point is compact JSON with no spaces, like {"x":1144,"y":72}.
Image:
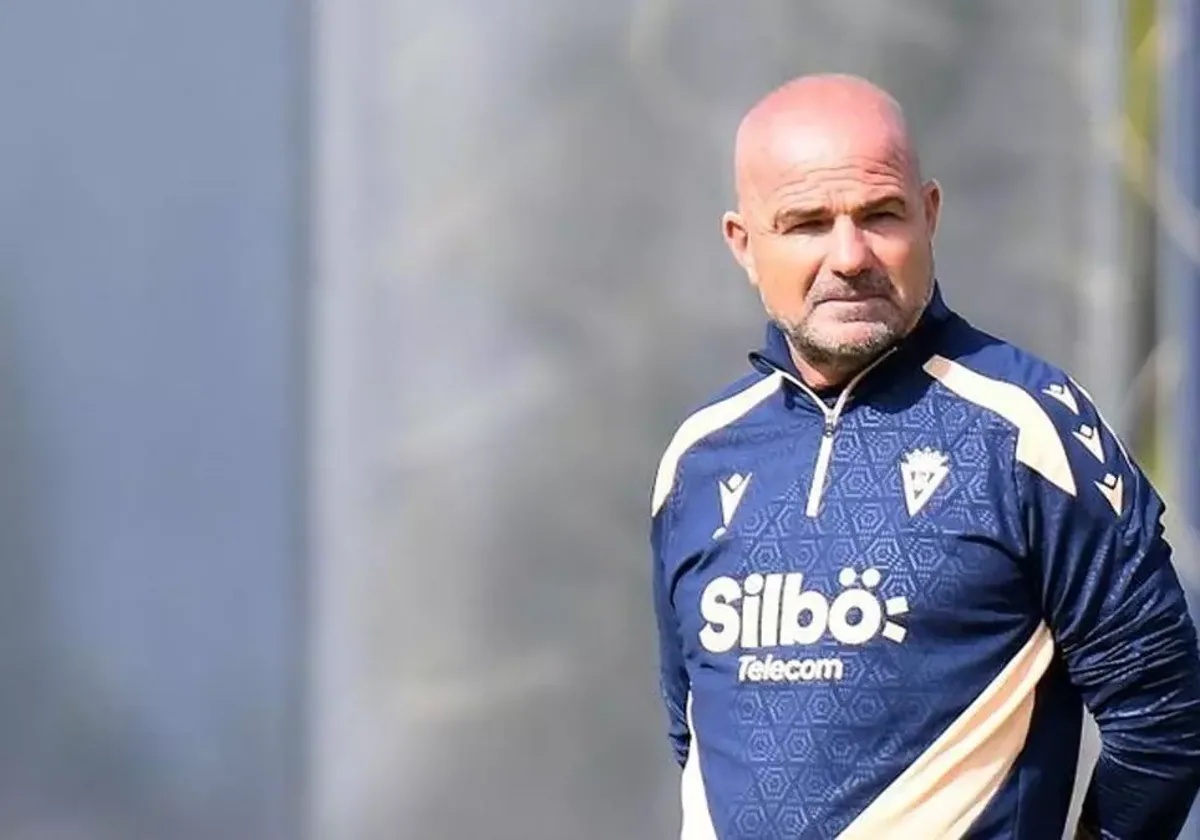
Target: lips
{"x":853,"y":299}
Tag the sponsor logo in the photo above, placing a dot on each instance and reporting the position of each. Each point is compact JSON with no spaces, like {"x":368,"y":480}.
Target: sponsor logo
{"x":762,"y":615}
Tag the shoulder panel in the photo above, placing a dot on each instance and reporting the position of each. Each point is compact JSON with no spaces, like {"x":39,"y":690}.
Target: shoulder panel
{"x":703,"y":423}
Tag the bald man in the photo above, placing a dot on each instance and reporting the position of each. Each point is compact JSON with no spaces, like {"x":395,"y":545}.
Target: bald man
{"x":894,"y":562}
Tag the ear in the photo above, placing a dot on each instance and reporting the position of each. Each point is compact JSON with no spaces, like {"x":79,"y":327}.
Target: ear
{"x":737,"y":237}
{"x":931,"y":196}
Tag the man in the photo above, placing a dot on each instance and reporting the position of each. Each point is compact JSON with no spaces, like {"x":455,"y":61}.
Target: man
{"x":893,"y":562}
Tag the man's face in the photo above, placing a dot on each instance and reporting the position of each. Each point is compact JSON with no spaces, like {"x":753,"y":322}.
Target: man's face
{"x":836,"y":233}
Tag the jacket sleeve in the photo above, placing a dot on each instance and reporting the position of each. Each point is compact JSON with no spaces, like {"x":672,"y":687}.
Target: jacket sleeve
{"x":1115,"y":605}
{"x":673,"y":678}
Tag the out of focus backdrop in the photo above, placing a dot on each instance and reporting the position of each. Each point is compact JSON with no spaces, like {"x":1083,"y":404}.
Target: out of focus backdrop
{"x":339,"y":342}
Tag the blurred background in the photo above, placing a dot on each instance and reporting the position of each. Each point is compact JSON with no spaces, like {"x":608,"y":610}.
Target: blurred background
{"x":339,"y":342}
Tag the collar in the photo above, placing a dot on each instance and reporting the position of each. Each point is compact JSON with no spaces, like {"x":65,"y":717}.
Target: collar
{"x":776,"y":354}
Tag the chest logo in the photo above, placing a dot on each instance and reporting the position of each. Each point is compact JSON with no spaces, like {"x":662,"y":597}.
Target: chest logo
{"x":922,"y":471}
{"x":770,"y":618}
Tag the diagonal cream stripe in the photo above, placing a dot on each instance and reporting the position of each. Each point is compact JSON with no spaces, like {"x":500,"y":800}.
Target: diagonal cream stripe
{"x":945,"y":790}
{"x":1039,"y":445}
{"x":697,"y":820}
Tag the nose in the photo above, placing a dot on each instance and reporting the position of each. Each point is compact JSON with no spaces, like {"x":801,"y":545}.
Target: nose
{"x":848,"y":252}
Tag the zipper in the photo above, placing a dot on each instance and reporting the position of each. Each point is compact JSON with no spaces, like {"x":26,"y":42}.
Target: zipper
{"x":832,"y":415}
{"x":823,"y":455}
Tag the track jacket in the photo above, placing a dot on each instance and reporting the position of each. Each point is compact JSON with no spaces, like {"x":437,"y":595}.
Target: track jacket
{"x":882,"y":609}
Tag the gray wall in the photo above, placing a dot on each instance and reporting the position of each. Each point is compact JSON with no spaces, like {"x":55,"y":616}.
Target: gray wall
{"x":151,"y":215}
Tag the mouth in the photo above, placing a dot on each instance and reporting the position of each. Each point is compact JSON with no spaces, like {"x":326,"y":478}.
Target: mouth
{"x":846,"y":309}
{"x":854,"y":299}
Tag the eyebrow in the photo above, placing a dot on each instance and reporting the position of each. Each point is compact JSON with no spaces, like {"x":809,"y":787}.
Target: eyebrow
{"x":804,"y":213}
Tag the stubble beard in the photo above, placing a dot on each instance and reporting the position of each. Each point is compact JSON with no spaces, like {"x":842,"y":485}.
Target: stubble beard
{"x":823,"y":352}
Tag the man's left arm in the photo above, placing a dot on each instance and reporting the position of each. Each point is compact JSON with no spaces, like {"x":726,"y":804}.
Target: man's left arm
{"x":1121,"y":623}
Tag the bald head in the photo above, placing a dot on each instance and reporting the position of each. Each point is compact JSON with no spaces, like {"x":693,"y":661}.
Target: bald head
{"x":814,"y":116}
{"x":834,"y":226}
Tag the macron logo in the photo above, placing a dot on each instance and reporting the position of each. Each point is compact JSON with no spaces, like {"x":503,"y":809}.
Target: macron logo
{"x":731,"y":489}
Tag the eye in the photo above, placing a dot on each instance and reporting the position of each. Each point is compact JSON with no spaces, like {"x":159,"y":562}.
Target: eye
{"x":890,"y":214}
{"x":813,"y":225}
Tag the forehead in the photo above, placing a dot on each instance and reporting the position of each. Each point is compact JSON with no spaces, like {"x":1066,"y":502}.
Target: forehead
{"x":829,"y":167}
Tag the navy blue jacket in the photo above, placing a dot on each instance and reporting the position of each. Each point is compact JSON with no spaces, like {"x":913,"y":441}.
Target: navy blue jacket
{"x":882,"y":610}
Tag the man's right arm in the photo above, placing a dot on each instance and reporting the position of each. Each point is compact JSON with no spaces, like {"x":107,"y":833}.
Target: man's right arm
{"x":673,"y":678}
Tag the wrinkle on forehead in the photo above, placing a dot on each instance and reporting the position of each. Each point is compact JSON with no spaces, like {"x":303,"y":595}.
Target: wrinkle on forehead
{"x":817,"y":125}
{"x":850,"y":171}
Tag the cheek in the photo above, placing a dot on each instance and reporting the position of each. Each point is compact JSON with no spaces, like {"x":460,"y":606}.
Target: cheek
{"x":786,"y":268}
{"x":902,"y":258}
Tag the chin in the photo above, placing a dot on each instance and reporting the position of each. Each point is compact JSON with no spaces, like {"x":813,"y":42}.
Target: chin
{"x":859,"y":333}
{"x":859,"y":340}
